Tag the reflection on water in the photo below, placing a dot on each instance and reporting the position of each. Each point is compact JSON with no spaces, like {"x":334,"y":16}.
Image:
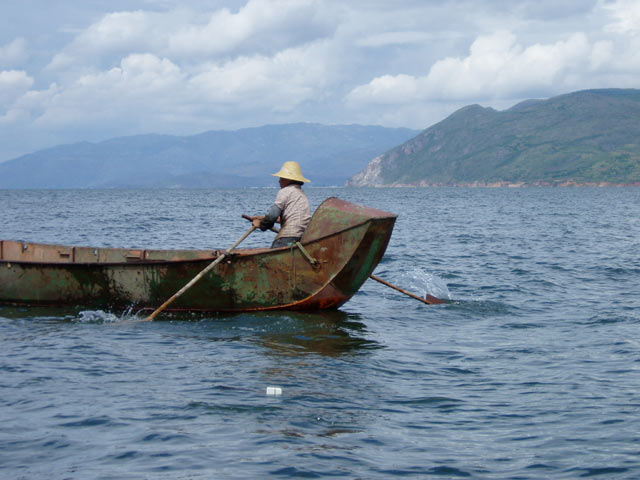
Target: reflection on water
{"x":331,"y":333}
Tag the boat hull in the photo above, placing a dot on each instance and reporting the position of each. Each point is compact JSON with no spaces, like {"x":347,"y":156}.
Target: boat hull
{"x":346,"y":241}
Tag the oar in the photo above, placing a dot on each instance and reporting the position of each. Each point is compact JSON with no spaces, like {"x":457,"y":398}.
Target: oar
{"x":198,"y":277}
{"x":429,"y":299}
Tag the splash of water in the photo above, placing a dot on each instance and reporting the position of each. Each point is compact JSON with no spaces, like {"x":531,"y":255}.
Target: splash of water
{"x":419,"y":281}
{"x":100,"y":316}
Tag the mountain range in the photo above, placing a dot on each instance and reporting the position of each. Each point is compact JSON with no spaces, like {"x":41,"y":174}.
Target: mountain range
{"x":585,"y":137}
{"x":328,"y":155}
{"x":588,"y":137}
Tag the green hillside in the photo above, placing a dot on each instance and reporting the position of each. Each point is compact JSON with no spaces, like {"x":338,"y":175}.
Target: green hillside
{"x":590,"y":136}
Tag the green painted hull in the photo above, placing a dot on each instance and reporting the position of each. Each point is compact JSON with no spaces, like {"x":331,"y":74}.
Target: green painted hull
{"x":347,"y":240}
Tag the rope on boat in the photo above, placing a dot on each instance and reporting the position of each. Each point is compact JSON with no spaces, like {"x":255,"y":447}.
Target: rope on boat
{"x":311,"y":260}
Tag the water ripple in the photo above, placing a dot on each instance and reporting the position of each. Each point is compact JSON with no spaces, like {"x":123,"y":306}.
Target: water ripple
{"x":531,"y":371}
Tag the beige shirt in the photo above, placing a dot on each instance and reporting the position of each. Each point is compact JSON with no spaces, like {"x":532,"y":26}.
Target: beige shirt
{"x":295,"y":216}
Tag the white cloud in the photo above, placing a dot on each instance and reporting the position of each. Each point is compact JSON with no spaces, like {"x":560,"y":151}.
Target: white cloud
{"x":13,"y":84}
{"x":138,"y":74}
{"x":143,"y":85}
{"x":624,"y":45}
{"x":13,"y":53}
{"x":145,"y":90}
{"x":624,"y":14}
{"x":397,"y":38}
{"x":279,"y":82}
{"x":496,"y":67}
{"x":261,"y":26}
{"x":120,"y":30}
{"x":601,"y":54}
{"x":388,"y":89}
{"x":27,"y":106}
{"x":115,"y":33}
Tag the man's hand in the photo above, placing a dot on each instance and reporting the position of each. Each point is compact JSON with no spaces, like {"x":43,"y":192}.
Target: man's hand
{"x":256,"y":220}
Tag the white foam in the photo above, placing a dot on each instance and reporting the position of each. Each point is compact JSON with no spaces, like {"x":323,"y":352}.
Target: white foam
{"x":100,"y":316}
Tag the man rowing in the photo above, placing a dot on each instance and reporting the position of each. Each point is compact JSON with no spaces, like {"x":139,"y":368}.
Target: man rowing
{"x":290,"y":208}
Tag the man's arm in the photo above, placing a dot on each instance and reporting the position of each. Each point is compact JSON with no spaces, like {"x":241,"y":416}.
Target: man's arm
{"x":266,"y":222}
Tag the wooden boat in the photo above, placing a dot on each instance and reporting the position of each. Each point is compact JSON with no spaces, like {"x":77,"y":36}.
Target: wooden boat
{"x":340,"y":249}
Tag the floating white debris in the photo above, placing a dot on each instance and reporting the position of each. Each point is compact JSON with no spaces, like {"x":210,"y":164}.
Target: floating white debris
{"x":274,"y":391}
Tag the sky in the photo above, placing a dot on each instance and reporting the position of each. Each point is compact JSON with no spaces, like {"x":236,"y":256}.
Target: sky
{"x":89,"y":70}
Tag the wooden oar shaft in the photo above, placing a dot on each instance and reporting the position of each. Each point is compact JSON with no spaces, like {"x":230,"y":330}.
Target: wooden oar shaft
{"x":431,"y":300}
{"x":198,"y":277}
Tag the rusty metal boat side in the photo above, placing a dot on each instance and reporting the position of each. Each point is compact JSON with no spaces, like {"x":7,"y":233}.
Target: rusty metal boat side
{"x":346,"y":241}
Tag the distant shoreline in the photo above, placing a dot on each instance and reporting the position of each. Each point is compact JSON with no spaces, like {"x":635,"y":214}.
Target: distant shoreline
{"x":505,"y":184}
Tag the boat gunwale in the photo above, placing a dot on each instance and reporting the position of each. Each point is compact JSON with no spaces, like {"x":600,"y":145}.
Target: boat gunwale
{"x":134,"y":262}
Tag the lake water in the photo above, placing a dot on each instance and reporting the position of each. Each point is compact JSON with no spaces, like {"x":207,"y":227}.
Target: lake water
{"x":532,"y":373}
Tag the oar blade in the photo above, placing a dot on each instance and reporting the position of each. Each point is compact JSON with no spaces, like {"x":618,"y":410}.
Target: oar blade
{"x":435,"y":300}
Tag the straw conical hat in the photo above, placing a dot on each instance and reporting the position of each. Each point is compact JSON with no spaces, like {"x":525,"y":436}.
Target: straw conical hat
{"x":291,"y":171}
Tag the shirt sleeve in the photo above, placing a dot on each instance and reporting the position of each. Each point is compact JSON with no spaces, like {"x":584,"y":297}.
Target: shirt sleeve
{"x":281,"y":198}
{"x":270,"y":218}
